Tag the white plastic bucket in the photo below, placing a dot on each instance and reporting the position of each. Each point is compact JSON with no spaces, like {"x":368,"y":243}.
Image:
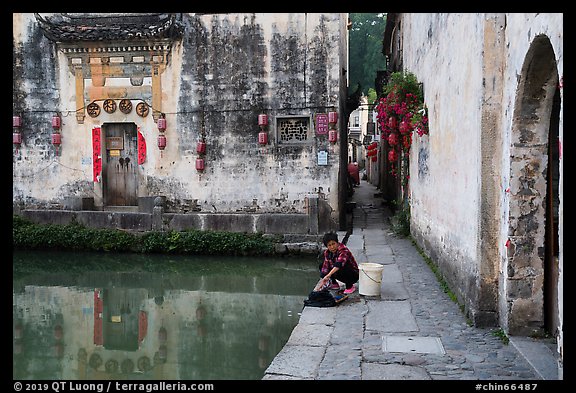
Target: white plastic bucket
{"x":370,"y":278}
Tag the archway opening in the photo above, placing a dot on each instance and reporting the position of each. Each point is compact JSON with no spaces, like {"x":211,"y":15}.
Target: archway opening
{"x":534,"y":162}
{"x":551,"y":250}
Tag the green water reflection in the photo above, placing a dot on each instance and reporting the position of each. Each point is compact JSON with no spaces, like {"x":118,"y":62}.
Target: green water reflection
{"x":132,"y":316}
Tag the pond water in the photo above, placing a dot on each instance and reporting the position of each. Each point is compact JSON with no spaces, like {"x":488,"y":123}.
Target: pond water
{"x":93,"y":316}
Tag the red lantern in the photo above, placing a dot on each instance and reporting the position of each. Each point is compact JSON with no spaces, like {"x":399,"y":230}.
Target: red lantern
{"x":332,"y":136}
{"x":262,"y":120}
{"x":162,"y":124}
{"x":16,"y":138}
{"x":392,"y":155}
{"x":201,"y":147}
{"x":161,"y":142}
{"x":16,"y":121}
{"x":392,"y":122}
{"x":201,"y":312}
{"x":17,"y":348}
{"x":58,"y":349}
{"x":374,"y":158}
{"x":56,"y":122}
{"x":372,"y":152}
{"x":333,"y":117}
{"x":18,"y":331}
{"x":199,"y":164}
{"x":393,"y":139}
{"x":58,"y":332}
{"x":262,"y":137}
{"x":56,"y":139}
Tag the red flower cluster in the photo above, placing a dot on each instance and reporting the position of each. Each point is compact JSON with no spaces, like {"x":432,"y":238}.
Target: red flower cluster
{"x":400,"y":113}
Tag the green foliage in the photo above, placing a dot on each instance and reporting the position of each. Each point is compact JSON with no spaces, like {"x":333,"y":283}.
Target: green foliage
{"x":502,"y":335}
{"x":442,"y":282}
{"x":403,"y":83}
{"x":365,"y":49}
{"x":206,"y":243}
{"x":372,"y":95}
{"x":401,"y":221}
{"x":27,"y":235}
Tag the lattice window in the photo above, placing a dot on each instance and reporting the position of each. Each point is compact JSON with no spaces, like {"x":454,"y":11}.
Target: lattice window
{"x":293,"y":129}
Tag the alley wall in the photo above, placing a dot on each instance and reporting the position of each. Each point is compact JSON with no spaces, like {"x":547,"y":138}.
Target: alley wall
{"x":477,"y":181}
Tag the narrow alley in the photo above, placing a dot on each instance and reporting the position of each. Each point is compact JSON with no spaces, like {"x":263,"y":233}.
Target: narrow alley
{"x":413,"y":331}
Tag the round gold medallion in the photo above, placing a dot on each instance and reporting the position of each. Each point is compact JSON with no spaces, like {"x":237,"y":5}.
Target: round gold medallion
{"x":93,"y":109}
{"x":142,"y":109}
{"x":125,"y":106}
{"x":109,"y":106}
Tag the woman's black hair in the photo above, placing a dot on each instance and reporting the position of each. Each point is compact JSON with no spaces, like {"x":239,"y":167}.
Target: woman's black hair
{"x":329,"y":236}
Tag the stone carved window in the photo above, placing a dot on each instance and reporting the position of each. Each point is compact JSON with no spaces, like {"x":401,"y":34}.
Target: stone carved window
{"x":293,"y":129}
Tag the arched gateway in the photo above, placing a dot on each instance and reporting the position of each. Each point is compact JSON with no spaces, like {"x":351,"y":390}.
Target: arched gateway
{"x":531,"y":266}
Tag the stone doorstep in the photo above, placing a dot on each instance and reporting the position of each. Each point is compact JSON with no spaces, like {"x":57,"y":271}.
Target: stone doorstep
{"x":539,"y":355}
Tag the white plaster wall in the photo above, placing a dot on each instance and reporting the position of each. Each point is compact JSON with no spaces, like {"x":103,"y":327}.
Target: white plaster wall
{"x":445,"y":53}
{"x":445,"y":202}
{"x":245,"y":173}
{"x":239,"y":180}
{"x":35,"y":171}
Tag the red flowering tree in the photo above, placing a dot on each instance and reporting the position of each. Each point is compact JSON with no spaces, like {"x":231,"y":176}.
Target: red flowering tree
{"x":401,"y":112}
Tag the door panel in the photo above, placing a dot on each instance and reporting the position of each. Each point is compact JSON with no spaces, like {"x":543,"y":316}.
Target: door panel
{"x":120,"y":185}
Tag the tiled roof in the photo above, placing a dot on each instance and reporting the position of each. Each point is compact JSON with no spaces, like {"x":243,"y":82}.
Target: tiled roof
{"x":111,"y":27}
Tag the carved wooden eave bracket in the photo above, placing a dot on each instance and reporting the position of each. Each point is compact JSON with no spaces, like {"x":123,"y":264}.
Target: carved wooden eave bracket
{"x":124,"y":46}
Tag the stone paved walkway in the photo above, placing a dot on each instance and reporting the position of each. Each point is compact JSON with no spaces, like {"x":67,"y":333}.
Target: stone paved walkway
{"x":412,"y":331}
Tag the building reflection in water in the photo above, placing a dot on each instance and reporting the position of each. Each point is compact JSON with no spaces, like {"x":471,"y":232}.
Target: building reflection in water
{"x":207,"y":323}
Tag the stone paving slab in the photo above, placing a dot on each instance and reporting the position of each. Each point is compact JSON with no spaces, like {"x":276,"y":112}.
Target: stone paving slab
{"x":539,"y":354}
{"x":282,"y":377}
{"x":390,"y":317}
{"x":296,"y":361}
{"x":377,"y":371}
{"x":361,"y":258}
{"x":349,"y":329}
{"x":391,"y":274}
{"x":341,"y":362}
{"x":375,"y":237}
{"x":316,"y":335}
{"x":355,"y":242}
{"x":323,"y":315}
{"x":384,"y":256}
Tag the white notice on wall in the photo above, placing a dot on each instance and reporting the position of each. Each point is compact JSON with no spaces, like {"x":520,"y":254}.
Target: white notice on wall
{"x":322,"y":157}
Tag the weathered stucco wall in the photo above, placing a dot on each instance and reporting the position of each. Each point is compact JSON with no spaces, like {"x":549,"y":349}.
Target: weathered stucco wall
{"x":469,"y":185}
{"x":224,"y":71}
{"x":444,"y":167}
{"x":538,"y":57}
